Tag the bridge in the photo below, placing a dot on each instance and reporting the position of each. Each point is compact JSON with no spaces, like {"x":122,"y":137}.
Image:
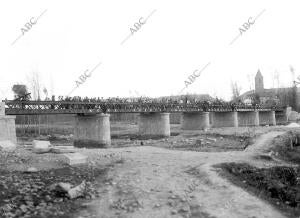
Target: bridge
{"x":92,"y":122}
{"x":72,"y":107}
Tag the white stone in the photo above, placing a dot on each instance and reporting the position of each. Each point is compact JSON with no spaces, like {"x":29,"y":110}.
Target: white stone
{"x":211,"y":139}
{"x":76,"y":158}
{"x":41,"y":146}
{"x":8,"y":128}
{"x":41,"y":150}
{"x":64,"y":186}
{"x":77,"y":191}
{"x":7,"y":145}
{"x":63,"y":149}
{"x":31,"y":170}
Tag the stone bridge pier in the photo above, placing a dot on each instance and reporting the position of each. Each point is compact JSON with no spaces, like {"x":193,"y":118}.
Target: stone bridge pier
{"x":282,"y":116}
{"x":248,"y":118}
{"x":7,"y":125}
{"x":194,"y":120}
{"x":92,"y":130}
{"x":267,"y":118}
{"x":225,"y":119}
{"x":154,"y":124}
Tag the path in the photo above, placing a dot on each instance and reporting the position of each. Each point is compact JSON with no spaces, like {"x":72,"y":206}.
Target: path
{"x":264,"y":142}
{"x":155,"y":182}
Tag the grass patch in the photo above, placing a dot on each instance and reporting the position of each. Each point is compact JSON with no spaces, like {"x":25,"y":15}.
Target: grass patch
{"x":278,"y":185}
{"x":287,"y":147}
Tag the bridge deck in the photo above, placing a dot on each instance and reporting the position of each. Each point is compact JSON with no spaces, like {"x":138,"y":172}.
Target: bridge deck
{"x":64,"y":107}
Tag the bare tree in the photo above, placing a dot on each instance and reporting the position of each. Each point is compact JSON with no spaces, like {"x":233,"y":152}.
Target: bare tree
{"x":45,"y":93}
{"x":294,"y":95}
{"x":292,"y":73}
{"x":250,"y":78}
{"x":51,"y":86}
{"x":276,"y":78}
{"x":35,"y":85}
{"x":236,"y":90}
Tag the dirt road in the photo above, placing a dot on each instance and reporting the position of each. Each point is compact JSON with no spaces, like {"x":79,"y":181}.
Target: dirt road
{"x":156,"y":182}
{"x":264,"y":142}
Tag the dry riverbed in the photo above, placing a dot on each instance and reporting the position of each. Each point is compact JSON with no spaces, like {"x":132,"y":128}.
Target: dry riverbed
{"x":137,"y":177}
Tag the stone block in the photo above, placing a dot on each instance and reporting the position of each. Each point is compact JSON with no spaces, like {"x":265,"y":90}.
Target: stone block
{"x":8,"y":128}
{"x":2,"y":108}
{"x":211,"y":139}
{"x":77,"y":191}
{"x":41,"y":146}
{"x":63,"y":149}
{"x":31,"y":170}
{"x":7,"y":145}
{"x":294,"y":116}
{"x":76,"y":158}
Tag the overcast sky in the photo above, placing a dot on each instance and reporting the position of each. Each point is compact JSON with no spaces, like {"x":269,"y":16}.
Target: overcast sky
{"x":177,"y":39}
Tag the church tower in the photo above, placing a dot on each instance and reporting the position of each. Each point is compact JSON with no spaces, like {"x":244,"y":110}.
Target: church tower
{"x":259,"y":82}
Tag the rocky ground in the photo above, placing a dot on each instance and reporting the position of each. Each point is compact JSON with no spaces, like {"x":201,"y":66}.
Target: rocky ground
{"x":176,"y":177}
{"x":31,"y":195}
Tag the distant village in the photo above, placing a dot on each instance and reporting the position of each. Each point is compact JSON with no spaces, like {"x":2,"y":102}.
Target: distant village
{"x":288,"y":96}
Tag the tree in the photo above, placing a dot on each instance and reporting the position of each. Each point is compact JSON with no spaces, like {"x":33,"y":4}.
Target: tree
{"x":236,"y":90}
{"x":276,"y":79}
{"x":36,"y":90}
{"x":19,"y":90}
{"x":294,"y":96}
{"x":250,"y":78}
{"x":45,"y":92}
{"x":256,"y":98}
{"x":35,"y":85}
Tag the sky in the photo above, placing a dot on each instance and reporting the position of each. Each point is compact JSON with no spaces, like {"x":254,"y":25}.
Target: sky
{"x":148,"y":48}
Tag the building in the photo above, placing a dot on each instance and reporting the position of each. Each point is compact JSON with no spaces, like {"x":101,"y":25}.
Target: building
{"x":259,"y":82}
{"x":283,"y":96}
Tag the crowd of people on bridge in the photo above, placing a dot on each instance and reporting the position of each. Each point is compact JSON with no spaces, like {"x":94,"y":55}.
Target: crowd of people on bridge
{"x":161,"y":103}
{"x":182,"y":100}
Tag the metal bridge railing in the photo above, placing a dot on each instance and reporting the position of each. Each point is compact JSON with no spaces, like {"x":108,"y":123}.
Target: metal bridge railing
{"x":71,"y":107}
